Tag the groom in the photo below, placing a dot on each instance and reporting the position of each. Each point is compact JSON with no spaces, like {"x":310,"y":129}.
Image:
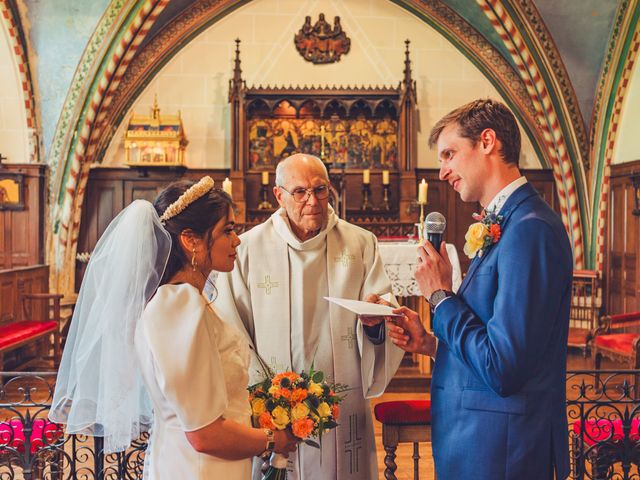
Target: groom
{"x":498,"y":387}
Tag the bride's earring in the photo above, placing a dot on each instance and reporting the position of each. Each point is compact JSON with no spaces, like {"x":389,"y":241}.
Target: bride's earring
{"x":194,"y":264}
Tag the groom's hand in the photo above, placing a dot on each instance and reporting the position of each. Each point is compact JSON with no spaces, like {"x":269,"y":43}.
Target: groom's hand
{"x":408,"y":333}
{"x":434,"y":270}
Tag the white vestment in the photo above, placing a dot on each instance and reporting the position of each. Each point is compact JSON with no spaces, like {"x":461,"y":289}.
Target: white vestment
{"x":276,"y":293}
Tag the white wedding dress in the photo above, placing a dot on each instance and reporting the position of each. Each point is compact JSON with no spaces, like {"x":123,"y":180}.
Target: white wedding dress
{"x":195,"y":369}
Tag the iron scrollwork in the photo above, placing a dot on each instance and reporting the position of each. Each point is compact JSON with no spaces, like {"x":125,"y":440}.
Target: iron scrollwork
{"x":603,"y":414}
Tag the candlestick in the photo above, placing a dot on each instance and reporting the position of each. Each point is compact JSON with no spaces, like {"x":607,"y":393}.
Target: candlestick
{"x":385,"y":197}
{"x":227,"y":186}
{"x":366,"y":190}
{"x":421,"y":224}
{"x":265,"y":178}
{"x":385,"y":177}
{"x":422,"y":192}
{"x":265,"y":204}
{"x":322,"y":153}
{"x":366,"y":176}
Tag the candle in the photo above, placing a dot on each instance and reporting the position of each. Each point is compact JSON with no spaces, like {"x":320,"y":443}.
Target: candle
{"x":385,"y":177}
{"x":422,"y":192}
{"x":226,"y":186}
{"x":265,"y":178}
{"x":322,"y":139}
{"x":366,"y":176}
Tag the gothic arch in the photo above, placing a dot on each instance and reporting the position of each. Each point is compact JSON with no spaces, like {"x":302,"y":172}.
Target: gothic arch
{"x":124,"y":68}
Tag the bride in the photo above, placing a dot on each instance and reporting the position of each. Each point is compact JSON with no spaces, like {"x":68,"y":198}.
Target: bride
{"x":147,"y":351}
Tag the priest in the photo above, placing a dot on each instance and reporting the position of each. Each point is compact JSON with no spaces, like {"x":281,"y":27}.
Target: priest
{"x":284,"y":269}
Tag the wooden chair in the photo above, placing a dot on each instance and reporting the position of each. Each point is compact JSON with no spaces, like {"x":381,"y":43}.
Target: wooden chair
{"x":585,"y":307}
{"x":618,"y":338}
{"x":403,"y":421}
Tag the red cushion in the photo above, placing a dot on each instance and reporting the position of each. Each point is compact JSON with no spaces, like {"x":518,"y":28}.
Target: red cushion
{"x":404,"y":412}
{"x":18,"y":331}
{"x":598,"y":430}
{"x":43,"y":433}
{"x":619,"y":342}
{"x":578,"y":336}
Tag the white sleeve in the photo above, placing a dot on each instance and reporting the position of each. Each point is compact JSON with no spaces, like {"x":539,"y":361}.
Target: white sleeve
{"x":378,"y":362}
{"x":188,"y":366}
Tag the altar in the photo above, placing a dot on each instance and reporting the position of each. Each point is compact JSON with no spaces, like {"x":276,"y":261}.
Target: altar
{"x":400,"y":260}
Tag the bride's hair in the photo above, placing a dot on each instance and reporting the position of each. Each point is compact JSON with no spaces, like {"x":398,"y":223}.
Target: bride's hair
{"x":200,"y":217}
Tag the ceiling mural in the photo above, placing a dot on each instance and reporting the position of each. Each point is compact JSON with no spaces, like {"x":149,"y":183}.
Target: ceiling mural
{"x":547,"y":73}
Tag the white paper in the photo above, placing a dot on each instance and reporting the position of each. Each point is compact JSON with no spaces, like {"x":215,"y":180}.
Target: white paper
{"x":364,"y":308}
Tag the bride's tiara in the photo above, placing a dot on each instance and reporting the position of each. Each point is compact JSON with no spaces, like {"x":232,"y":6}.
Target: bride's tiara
{"x":187,"y":198}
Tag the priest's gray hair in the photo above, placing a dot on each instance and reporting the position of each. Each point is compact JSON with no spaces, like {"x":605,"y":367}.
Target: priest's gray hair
{"x":283,"y":165}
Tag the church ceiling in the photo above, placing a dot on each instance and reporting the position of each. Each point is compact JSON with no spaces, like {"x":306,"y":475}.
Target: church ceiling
{"x":581,"y":31}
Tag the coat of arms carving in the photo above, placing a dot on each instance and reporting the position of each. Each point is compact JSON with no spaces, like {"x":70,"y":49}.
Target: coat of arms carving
{"x":322,"y":42}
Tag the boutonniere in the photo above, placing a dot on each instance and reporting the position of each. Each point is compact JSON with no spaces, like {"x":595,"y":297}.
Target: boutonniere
{"x":482,"y":234}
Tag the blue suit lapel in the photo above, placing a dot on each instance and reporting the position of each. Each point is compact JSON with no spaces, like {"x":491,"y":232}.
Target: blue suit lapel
{"x":519,"y":196}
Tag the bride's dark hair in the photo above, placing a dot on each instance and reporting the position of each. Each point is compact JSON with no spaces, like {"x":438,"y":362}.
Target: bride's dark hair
{"x":200,"y":217}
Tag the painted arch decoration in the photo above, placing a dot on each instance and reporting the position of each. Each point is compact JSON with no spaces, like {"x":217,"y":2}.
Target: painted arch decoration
{"x":115,"y":68}
{"x":622,"y":55}
{"x":560,"y":141}
{"x":13,"y":26}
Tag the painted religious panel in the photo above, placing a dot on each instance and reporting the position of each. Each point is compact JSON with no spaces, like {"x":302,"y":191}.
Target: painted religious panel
{"x":353,"y":143}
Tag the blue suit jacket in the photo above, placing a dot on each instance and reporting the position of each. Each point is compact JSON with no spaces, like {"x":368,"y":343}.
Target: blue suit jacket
{"x":498,"y":387}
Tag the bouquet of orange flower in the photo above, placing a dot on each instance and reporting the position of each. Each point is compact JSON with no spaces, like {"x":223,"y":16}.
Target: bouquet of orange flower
{"x":304,"y":402}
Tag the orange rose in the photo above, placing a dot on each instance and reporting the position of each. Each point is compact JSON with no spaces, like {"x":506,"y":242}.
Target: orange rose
{"x":286,"y":393}
{"x":266,"y":421}
{"x":335,"y":411}
{"x":302,"y":428}
{"x":494,"y":231}
{"x":298,"y":395}
{"x":292,"y":377}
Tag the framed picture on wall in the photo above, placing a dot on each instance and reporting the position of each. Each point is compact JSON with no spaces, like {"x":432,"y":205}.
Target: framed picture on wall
{"x":11,"y":191}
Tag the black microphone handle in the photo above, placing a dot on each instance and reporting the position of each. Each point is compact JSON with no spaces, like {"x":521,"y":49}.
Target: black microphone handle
{"x":435,"y":239}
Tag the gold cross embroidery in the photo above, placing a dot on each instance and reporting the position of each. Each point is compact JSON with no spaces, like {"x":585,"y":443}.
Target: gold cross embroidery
{"x":268,"y":284}
{"x":345,"y":259}
{"x":349,"y":338}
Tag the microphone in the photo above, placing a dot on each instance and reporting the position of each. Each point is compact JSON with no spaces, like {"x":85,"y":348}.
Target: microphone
{"x":434,"y":226}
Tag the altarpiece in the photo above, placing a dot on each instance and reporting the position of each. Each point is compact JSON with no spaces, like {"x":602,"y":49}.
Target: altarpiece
{"x":350,"y":128}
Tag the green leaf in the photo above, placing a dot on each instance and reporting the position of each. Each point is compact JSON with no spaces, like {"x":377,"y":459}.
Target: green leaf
{"x":317,"y":377}
{"x":311,"y":443}
{"x":330,"y":424}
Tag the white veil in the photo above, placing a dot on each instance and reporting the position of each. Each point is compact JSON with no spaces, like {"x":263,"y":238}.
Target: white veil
{"x":99,"y":390}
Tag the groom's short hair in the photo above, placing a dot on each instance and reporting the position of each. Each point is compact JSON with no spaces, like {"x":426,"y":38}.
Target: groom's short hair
{"x":476,"y":116}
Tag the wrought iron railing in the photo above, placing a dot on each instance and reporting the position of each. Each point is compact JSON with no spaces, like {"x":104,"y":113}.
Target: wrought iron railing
{"x":603,"y":418}
{"x":31,"y":447}
{"x":603,"y":415}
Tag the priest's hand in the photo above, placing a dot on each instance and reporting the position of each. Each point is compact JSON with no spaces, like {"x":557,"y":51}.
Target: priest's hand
{"x":374,"y":320}
{"x":408,"y":333}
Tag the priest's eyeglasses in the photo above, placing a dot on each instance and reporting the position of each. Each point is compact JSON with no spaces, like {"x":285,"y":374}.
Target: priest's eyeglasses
{"x":301,"y":195}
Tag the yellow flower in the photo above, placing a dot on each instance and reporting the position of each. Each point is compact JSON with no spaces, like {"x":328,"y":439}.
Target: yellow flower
{"x":280,"y":418}
{"x":299,"y":411}
{"x":475,"y":239}
{"x":273,"y":389}
{"x":324,"y":410}
{"x":257,"y":406}
{"x":315,"y":388}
